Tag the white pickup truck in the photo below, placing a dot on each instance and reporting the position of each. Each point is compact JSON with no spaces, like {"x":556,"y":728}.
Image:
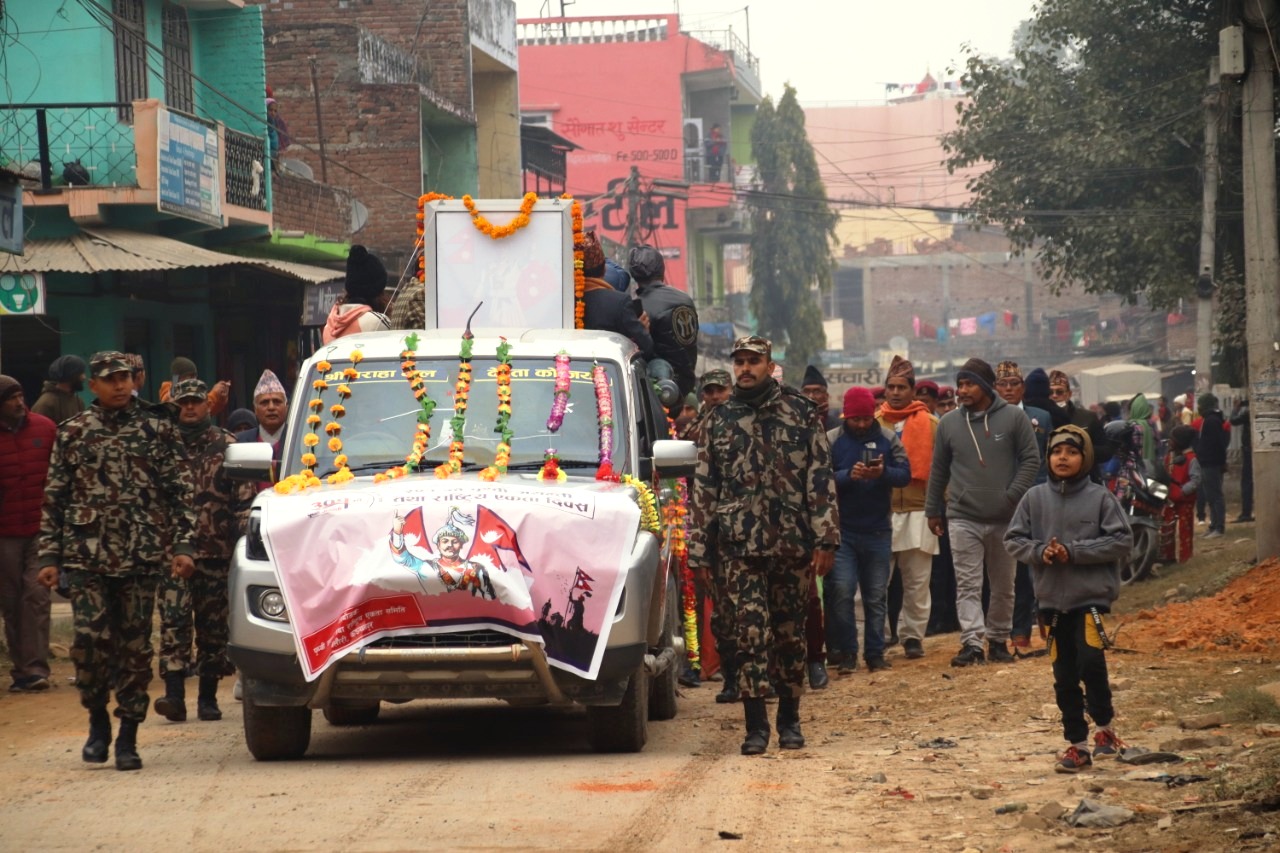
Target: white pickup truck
{"x":474,"y":585}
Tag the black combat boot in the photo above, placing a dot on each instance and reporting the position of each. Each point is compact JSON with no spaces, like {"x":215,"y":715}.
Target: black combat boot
{"x":127,"y":746}
{"x":207,"y":702}
{"x":789,"y":736}
{"x":757,"y":726}
{"x":173,"y":704}
{"x":95,"y":748}
{"x":729,"y":668}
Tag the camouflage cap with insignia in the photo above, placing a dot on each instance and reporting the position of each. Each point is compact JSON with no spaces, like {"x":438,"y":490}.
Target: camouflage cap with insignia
{"x":189,"y":389}
{"x":754,"y":343}
{"x":715,"y":377}
{"x":103,"y":364}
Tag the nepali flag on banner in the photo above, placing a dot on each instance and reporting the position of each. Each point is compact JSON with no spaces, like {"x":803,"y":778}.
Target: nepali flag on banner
{"x":415,"y":534}
{"x":493,"y":535}
{"x":583,"y":581}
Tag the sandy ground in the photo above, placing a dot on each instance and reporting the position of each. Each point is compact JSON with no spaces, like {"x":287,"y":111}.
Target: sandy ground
{"x":491,"y":777}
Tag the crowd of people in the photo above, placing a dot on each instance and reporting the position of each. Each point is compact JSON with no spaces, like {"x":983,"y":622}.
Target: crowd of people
{"x":1003,"y":490}
{"x":924,"y":509}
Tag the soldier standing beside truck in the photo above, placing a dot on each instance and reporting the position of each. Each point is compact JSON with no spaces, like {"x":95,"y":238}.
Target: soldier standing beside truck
{"x":119,"y":497}
{"x":764,"y":501}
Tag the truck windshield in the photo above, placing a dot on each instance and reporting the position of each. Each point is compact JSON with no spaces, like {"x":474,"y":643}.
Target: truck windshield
{"x":381,"y":416}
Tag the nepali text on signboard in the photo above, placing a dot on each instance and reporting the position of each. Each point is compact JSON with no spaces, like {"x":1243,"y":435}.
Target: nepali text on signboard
{"x":189,"y":169}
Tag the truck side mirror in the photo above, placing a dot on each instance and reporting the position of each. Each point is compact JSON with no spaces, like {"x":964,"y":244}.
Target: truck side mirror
{"x":250,"y":460}
{"x":675,"y":458}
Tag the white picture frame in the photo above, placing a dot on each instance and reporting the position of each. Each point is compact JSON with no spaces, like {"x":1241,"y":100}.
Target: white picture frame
{"x":524,"y":280}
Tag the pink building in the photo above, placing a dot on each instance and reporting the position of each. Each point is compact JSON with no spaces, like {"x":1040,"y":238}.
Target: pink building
{"x":640,"y":98}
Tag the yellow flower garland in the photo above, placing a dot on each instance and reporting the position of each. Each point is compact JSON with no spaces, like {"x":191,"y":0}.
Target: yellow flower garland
{"x":648,"y":504}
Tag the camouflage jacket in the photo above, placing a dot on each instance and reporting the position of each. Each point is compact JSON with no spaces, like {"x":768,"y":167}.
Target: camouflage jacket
{"x":221,"y":504}
{"x":763,"y":485}
{"x":408,"y":309}
{"x":119,"y":493}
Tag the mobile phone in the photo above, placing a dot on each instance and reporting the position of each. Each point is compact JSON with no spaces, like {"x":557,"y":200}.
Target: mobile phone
{"x":638,"y":307}
{"x":871,"y":459}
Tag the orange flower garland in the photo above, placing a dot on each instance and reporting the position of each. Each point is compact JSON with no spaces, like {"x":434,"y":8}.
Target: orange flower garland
{"x":502,"y":456}
{"x":497,"y":232}
{"x":422,"y":433}
{"x":579,"y":277}
{"x":458,"y":423}
{"x":423,"y":201}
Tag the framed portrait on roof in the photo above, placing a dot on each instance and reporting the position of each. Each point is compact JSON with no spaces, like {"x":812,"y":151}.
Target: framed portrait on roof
{"x":523,"y":280}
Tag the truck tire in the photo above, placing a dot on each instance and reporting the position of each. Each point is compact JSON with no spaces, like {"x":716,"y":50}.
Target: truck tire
{"x":276,"y":734}
{"x":623,"y":727}
{"x":662,"y":695}
{"x":341,"y":713}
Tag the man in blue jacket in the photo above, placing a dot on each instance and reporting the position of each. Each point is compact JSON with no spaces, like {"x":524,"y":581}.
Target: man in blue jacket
{"x":984,"y":460}
{"x":869,"y":462}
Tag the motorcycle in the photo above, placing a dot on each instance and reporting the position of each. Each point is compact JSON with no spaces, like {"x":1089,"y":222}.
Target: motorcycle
{"x":1143,"y":499}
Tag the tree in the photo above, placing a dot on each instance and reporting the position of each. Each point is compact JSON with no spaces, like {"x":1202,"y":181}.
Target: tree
{"x":1092,"y":135}
{"x":793,"y":229}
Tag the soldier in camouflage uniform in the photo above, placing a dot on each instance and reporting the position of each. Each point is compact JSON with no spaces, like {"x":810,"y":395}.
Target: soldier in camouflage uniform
{"x":764,"y":502}
{"x":118,"y":499}
{"x":221,"y":506}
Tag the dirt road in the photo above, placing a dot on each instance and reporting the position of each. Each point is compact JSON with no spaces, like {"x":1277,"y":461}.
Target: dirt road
{"x":492,"y":777}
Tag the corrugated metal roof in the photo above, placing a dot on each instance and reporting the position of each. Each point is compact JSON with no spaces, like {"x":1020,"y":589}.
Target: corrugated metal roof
{"x":118,"y":250}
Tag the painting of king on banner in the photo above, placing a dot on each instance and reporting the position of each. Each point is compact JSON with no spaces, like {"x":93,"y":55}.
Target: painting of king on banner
{"x":443,"y":570}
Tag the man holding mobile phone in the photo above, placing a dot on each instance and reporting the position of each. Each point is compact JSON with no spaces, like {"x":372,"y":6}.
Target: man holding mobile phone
{"x":869,"y":462}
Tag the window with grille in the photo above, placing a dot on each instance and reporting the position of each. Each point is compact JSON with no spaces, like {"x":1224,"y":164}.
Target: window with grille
{"x":131,"y":53}
{"x":179,"y":92}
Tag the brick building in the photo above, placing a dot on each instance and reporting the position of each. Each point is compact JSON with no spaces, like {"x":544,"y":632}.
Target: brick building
{"x":412,"y":98}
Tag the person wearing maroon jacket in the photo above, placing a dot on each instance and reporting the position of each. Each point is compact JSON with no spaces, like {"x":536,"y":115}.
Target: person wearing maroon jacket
{"x":26,"y":440}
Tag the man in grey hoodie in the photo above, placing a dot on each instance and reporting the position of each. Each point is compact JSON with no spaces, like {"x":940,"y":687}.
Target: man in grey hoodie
{"x":984,"y":459}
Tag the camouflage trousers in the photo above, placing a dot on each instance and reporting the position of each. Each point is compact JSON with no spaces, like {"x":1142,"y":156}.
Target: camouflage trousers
{"x":199,"y":602}
{"x":770,"y":599}
{"x":112,"y":646}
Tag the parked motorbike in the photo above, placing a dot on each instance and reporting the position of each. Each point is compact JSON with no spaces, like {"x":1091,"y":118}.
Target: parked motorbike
{"x":1143,"y":499}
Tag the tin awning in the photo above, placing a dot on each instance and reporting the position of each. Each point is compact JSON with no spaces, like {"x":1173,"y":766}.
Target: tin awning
{"x":96,"y":250}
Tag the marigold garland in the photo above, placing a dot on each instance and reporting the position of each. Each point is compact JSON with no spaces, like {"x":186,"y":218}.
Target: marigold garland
{"x":497,"y":232}
{"x":648,"y":504}
{"x":579,"y":276}
{"x":674,"y":513}
{"x":422,"y":434}
{"x":502,"y":424}
{"x":461,"y":391}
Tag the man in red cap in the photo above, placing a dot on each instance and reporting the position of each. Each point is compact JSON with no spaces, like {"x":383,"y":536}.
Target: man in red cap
{"x":869,"y":462}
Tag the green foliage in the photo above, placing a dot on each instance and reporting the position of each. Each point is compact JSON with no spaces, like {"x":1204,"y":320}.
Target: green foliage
{"x":793,"y":230}
{"x":1230,"y":319}
{"x":1093,"y":135}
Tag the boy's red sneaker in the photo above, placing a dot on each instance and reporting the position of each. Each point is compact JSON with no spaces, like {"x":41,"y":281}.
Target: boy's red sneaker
{"x":1106,"y":744}
{"x":1073,"y":760}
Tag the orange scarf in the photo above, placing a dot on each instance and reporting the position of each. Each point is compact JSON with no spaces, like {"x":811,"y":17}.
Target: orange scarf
{"x":917,"y":435}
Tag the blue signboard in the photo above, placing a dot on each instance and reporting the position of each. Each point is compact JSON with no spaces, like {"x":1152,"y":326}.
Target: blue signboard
{"x":189,"y":169}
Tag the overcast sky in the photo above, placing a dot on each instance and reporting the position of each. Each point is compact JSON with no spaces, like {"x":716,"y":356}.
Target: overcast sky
{"x":834,"y":50}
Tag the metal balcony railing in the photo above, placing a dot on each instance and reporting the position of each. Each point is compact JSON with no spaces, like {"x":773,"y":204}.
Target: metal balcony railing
{"x":69,"y":144}
{"x":246,"y":179}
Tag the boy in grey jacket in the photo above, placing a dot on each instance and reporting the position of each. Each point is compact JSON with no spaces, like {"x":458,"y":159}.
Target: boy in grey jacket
{"x":1072,"y":532}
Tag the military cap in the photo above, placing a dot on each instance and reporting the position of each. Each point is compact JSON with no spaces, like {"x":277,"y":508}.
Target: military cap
{"x":189,"y":389}
{"x":754,"y":343}
{"x":715,"y":377}
{"x":135,"y":361}
{"x":103,"y":364}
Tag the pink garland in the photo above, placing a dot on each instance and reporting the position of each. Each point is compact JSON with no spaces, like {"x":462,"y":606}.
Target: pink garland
{"x":560,"y":400}
{"x":604,"y":413}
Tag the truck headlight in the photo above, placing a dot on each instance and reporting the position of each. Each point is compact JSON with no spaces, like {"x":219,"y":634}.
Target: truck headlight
{"x":270,"y":604}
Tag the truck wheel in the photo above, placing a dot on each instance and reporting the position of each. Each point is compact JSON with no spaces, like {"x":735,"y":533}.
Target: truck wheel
{"x":276,"y":734}
{"x":662,"y":696}
{"x":341,"y":713}
{"x":623,"y":727}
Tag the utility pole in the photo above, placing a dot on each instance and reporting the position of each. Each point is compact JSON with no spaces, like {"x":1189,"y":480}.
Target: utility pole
{"x":1208,"y":222}
{"x":315,"y":92}
{"x":631,"y":234}
{"x":1262,"y":268}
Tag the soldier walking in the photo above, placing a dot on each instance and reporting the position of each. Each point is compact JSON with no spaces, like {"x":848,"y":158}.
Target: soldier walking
{"x":118,"y":499}
{"x":220,"y":506}
{"x":764,"y":502}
